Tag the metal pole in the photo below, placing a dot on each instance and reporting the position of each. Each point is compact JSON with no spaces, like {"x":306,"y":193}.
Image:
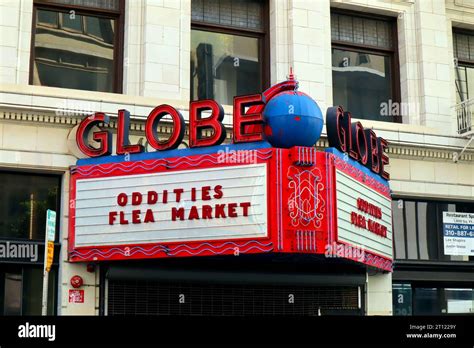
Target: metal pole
{"x":44,"y":307}
{"x":32,"y":203}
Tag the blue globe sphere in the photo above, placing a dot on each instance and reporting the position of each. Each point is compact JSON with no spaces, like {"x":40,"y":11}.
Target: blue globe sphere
{"x":292,"y":118}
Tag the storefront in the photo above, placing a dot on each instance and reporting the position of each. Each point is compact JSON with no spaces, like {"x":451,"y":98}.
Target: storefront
{"x":25,"y":198}
{"x":433,"y":274}
{"x":262,"y":226}
{"x":68,"y":60}
{"x":228,"y":286}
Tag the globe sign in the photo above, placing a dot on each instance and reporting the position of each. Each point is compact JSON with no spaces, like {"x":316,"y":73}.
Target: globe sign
{"x":292,"y":118}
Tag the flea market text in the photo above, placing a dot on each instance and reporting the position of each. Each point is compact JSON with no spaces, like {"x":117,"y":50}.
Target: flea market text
{"x":178,"y":195}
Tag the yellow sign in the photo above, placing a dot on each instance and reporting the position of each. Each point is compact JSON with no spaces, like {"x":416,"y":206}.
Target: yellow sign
{"x":50,"y":236}
{"x":49,"y":257}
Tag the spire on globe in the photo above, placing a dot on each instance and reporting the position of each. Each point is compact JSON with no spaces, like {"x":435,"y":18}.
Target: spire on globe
{"x":291,"y":118}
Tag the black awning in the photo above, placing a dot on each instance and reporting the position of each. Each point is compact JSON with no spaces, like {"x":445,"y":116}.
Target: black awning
{"x":154,"y":273}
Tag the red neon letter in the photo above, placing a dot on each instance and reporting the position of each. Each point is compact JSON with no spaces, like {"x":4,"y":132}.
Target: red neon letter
{"x":242,"y":119}
{"x":123,"y":142}
{"x":382,"y":145}
{"x":373,"y":151}
{"x":152,"y":124}
{"x":348,"y":130}
{"x":198,"y":124}
{"x":103,"y":137}
{"x":359,"y":142}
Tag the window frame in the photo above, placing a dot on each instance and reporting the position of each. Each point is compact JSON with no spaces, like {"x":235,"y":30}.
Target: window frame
{"x":440,"y":256}
{"x":462,"y":32}
{"x":119,"y":25}
{"x":460,"y":62}
{"x":263,"y":37}
{"x":19,"y":268}
{"x":59,"y":177}
{"x":392,"y":53}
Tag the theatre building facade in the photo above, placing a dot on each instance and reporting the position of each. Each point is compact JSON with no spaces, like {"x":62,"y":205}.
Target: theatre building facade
{"x":237,"y":157}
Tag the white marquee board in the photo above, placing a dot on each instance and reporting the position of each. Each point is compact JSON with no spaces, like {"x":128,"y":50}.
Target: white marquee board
{"x":96,"y":197}
{"x":348,"y":190}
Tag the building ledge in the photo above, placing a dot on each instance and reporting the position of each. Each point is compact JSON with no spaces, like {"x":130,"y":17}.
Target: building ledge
{"x":67,"y":107}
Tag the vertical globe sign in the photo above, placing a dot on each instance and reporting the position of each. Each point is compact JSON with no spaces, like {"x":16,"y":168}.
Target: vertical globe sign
{"x":50,"y":235}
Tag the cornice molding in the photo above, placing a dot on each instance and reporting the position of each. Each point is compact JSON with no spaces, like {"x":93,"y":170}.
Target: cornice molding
{"x":396,"y":149}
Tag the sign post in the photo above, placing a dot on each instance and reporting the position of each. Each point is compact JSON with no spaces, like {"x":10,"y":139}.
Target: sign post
{"x":48,"y":255}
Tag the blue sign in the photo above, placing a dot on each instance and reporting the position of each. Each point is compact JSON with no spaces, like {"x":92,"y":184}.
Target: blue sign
{"x":50,"y":225}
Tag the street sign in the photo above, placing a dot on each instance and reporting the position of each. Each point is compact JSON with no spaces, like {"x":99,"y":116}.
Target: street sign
{"x":50,"y":235}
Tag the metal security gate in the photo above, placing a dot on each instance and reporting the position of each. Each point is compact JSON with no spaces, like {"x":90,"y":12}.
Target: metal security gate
{"x":247,"y":287}
{"x":128,"y":297}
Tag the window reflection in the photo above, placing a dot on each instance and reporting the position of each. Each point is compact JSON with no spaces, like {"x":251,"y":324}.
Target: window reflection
{"x":12,"y":294}
{"x":32,"y":291}
{"x":459,"y":300}
{"x":411,"y":230}
{"x":47,"y":18}
{"x":463,"y":45}
{"x":423,"y":300}
{"x":427,"y":301}
{"x":464,"y":83}
{"x":223,"y":66}
{"x":74,"y":51}
{"x":418,"y":229}
{"x":25,"y":199}
{"x":436,"y":301}
{"x":361,"y":82}
{"x":402,"y":299}
{"x":21,"y":290}
{"x":72,"y":22}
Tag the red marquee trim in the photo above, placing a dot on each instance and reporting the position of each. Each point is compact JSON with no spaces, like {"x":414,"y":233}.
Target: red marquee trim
{"x":300,"y":178}
{"x":360,"y":176}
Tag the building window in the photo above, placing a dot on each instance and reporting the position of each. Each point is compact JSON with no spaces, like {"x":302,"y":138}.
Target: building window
{"x":418,"y":299}
{"x":21,"y":289}
{"x":25,"y":199}
{"x":402,"y":299}
{"x":364,"y":66}
{"x":418,"y":229}
{"x":463,"y":42}
{"x":228,"y":49}
{"x":77,"y":44}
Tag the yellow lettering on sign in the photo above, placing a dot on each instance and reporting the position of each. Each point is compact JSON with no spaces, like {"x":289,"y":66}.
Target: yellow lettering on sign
{"x":49,"y":260}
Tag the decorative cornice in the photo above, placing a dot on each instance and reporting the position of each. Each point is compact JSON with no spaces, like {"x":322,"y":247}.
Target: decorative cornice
{"x":138,"y":125}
